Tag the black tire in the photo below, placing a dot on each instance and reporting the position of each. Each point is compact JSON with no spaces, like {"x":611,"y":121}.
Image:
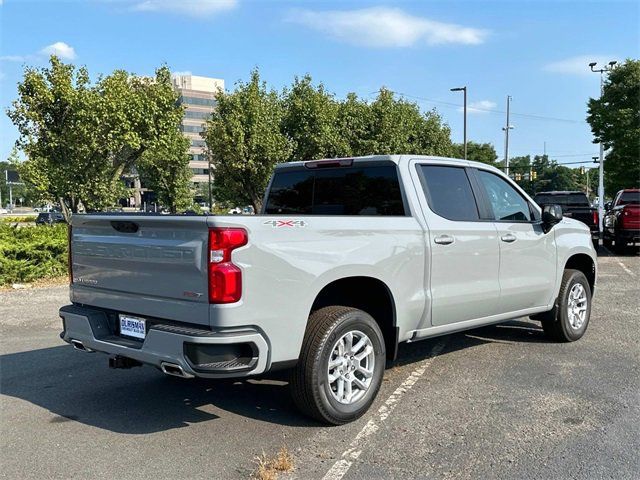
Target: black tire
{"x":620,"y":246}
{"x":309,"y":384}
{"x":556,"y":323}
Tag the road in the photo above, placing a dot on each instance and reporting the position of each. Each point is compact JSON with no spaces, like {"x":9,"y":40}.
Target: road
{"x":496,"y":402}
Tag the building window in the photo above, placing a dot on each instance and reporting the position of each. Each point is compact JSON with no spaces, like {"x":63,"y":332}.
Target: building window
{"x":197,"y":143}
{"x":200,"y":171}
{"x":209,"y":102}
{"x":197,"y":115}
{"x":192,"y":128}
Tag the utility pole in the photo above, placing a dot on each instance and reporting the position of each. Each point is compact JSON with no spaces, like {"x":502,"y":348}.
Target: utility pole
{"x":210,"y":193}
{"x":463,"y":89}
{"x":506,"y":129}
{"x":601,"y":71}
{"x":587,"y":182}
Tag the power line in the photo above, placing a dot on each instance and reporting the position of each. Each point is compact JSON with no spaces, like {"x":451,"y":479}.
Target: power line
{"x":489,"y":110}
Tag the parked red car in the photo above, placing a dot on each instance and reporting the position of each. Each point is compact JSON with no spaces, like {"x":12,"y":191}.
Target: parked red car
{"x":622,"y":220}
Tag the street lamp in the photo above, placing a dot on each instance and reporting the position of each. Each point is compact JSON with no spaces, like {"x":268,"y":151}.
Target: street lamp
{"x":506,"y":129}
{"x":601,"y":71}
{"x":463,"y":89}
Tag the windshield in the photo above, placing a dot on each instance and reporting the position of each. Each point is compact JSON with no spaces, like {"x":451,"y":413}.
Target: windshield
{"x":562,"y":199}
{"x":629,"y":197}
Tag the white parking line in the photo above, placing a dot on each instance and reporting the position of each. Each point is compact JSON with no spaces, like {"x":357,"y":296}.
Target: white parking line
{"x":626,"y":269}
{"x":342,"y":466}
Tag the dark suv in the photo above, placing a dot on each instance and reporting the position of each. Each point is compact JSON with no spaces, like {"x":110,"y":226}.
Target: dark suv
{"x":49,"y":218}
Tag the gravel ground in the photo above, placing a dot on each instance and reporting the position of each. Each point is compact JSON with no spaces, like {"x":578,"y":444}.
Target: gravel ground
{"x":496,"y":402}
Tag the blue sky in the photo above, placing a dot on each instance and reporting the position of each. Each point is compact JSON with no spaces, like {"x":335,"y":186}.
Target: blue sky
{"x":537,"y":52}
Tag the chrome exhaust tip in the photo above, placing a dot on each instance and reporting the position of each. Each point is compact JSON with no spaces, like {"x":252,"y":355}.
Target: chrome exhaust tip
{"x":174,"y":370}
{"x":78,"y":345}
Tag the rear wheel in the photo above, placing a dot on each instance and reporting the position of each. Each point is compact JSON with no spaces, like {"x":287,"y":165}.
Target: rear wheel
{"x":340,"y":367}
{"x":568,"y":320}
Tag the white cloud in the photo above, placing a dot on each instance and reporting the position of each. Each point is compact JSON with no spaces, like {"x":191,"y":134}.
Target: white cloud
{"x":60,"y":49}
{"x":195,"y":8}
{"x":578,"y":65}
{"x":482,"y":106}
{"x":385,"y":27}
{"x":13,"y":58}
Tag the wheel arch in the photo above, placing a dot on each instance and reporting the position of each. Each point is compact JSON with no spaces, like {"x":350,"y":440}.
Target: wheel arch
{"x":368,"y":294}
{"x":585,"y":264}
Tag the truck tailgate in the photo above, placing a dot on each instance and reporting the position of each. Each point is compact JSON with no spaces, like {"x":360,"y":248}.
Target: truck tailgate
{"x":151,"y":265}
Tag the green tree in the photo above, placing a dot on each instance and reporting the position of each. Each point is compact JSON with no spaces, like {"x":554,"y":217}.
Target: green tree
{"x":165,"y":169}
{"x":245,"y":141}
{"x":397,"y":126}
{"x":549,"y":175}
{"x":354,"y":123}
{"x":253,"y":128}
{"x":478,"y":152}
{"x":615,"y":121}
{"x":80,"y":138}
{"x":311,"y":121}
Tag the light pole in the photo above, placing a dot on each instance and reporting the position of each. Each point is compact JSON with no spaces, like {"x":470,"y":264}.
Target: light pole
{"x":601,"y":71}
{"x":463,"y":89}
{"x":506,"y":129}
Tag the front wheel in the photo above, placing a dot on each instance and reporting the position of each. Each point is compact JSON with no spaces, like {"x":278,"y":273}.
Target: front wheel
{"x":340,"y":367}
{"x":620,"y":245}
{"x":568,"y":320}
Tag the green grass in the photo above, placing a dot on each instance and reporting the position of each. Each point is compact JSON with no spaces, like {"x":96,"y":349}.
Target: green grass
{"x":29,"y":253}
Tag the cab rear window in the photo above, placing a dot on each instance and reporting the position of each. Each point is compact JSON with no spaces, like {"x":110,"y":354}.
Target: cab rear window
{"x":366,"y":190}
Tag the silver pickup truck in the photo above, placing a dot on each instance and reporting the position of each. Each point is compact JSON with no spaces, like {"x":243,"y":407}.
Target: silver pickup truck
{"x":348,"y":258}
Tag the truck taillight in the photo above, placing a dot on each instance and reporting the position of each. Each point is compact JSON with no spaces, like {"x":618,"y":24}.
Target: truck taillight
{"x":595,"y":217}
{"x":225,"y":278}
{"x":69,"y":258}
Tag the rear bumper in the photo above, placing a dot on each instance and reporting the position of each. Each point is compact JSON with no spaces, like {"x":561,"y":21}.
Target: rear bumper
{"x":198,"y":353}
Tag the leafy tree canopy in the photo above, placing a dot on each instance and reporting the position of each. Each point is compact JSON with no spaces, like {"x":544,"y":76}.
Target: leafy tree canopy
{"x":80,"y":138}
{"x":245,"y":140}
{"x":478,"y":152}
{"x":253,"y":128}
{"x":615,"y":121}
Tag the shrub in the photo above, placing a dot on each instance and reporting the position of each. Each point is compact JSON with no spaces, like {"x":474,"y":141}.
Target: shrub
{"x":31,"y":253}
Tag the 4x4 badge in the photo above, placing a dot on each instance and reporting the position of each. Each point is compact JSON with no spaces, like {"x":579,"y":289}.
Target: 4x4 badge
{"x":286,"y":223}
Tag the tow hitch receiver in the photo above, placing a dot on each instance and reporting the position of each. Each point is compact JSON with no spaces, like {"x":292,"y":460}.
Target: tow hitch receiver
{"x":123,"y":362}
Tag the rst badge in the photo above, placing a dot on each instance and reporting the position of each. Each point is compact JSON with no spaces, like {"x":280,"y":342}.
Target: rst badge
{"x":286,"y":223}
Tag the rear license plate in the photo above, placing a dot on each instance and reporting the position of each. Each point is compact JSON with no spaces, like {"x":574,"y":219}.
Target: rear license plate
{"x":132,"y":326}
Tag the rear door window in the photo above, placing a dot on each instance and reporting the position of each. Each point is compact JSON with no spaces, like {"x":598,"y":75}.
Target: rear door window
{"x":367,"y":190}
{"x":449,"y":192}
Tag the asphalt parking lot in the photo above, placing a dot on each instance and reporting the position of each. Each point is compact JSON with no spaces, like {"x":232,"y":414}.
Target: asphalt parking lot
{"x":496,"y":402}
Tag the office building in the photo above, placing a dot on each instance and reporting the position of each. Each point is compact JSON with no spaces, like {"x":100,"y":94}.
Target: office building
{"x":197,"y":95}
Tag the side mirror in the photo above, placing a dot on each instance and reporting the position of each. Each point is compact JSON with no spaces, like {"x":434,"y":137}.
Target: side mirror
{"x":551,"y":214}
{"x":607,"y":206}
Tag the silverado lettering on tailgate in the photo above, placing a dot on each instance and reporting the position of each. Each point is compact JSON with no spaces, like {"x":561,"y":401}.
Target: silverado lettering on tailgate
{"x":133,"y":252}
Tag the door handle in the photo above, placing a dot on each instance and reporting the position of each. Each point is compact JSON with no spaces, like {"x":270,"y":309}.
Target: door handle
{"x":508,"y":238}
{"x":443,"y":240}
